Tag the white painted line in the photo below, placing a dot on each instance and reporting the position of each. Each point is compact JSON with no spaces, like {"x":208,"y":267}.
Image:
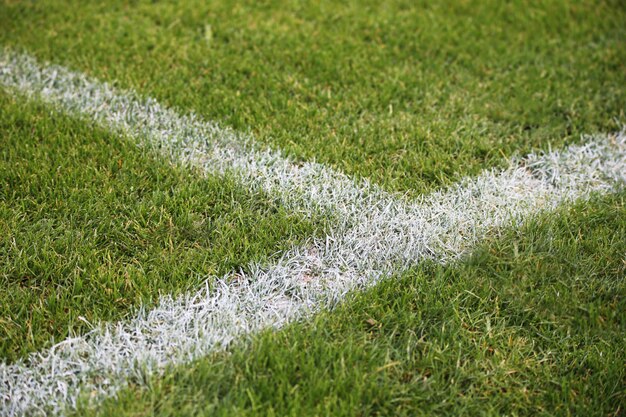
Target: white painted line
{"x":306,"y":187}
{"x":377,"y":235}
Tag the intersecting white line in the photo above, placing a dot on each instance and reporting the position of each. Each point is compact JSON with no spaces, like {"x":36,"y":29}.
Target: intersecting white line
{"x":377,"y":234}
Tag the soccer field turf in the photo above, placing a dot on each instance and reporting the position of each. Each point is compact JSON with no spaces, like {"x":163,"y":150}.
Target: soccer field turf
{"x":499,"y":279}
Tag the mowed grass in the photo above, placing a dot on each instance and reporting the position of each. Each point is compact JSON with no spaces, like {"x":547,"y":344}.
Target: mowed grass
{"x":533,"y":323}
{"x":410,"y":94}
{"x":91,"y":226}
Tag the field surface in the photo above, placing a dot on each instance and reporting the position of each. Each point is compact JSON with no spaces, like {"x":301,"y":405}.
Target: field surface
{"x":293,"y":208}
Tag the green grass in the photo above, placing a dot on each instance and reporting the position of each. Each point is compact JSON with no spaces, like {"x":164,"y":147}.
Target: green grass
{"x":411,"y":94}
{"x":91,"y":226}
{"x":533,"y":323}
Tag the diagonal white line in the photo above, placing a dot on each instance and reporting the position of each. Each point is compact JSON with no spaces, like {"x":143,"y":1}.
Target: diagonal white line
{"x":307,"y":187}
{"x":378,"y":234}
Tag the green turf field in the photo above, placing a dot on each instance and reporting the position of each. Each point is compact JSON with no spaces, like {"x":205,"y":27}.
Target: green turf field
{"x":93,"y":226}
{"x":410,"y":95}
{"x":530,"y":324}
